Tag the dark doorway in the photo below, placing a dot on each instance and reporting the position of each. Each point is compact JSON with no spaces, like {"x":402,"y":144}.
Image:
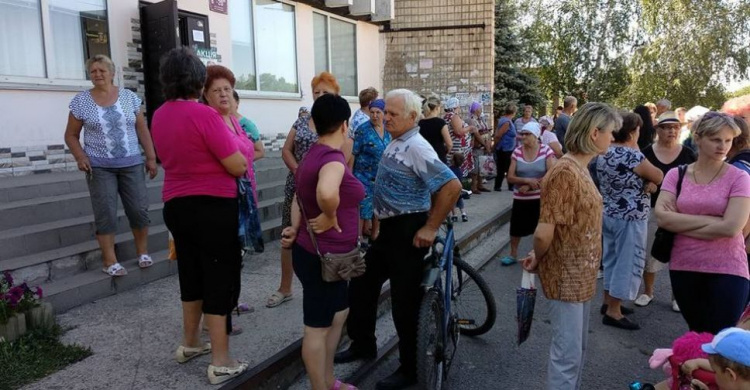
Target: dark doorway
{"x":159,"y":35}
{"x":163,"y":28}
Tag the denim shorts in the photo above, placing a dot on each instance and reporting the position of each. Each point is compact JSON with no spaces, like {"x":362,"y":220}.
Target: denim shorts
{"x":130,"y":183}
{"x":623,"y":256}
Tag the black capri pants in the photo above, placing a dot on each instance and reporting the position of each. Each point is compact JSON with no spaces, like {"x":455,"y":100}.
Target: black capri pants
{"x":209,"y":256}
{"x":709,"y":302}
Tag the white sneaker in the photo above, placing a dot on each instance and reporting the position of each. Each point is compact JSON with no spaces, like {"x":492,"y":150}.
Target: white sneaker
{"x":184,"y":354}
{"x":218,"y":374}
{"x":675,"y":307}
{"x":643,"y":300}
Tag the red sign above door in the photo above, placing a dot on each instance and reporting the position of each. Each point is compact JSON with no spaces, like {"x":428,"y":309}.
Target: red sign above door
{"x":219,"y":6}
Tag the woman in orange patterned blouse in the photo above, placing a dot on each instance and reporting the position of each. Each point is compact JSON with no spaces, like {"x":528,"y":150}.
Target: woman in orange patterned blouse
{"x":568,"y":241}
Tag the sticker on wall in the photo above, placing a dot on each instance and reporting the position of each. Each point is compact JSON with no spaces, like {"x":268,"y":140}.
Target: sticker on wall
{"x":425,"y":63}
{"x":219,"y":6}
{"x":198,"y":36}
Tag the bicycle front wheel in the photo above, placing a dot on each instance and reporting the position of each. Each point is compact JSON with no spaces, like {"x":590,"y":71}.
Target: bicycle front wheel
{"x":471,"y":300}
{"x":430,"y":341}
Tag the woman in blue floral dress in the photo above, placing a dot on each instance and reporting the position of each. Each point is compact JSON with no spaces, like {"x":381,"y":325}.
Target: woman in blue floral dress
{"x":300,"y":139}
{"x":369,"y":143}
{"x":625,"y":179}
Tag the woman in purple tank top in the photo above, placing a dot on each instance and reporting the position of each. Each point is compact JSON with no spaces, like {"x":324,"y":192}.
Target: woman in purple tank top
{"x":329,"y":196}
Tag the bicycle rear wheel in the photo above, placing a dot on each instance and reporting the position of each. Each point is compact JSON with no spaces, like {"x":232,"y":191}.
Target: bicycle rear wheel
{"x":471,"y":299}
{"x":430,"y":342}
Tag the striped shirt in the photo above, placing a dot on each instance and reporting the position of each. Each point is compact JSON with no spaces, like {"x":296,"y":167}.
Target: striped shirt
{"x":535,"y":169}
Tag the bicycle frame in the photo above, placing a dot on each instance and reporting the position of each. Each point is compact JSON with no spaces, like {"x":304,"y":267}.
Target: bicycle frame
{"x":445,"y":264}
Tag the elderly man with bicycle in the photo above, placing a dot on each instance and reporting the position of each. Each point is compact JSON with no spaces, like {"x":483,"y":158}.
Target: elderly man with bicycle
{"x":413,"y":193}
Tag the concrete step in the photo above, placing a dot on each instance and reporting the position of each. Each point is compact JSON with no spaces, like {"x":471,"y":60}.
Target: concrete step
{"x":34,"y":211}
{"x":271,"y":189}
{"x":286,"y":370}
{"x":71,"y":276}
{"x":271,"y":209}
{"x":271,"y":173}
{"x":45,"y":236}
{"x":25,"y":188}
{"x":59,"y":263}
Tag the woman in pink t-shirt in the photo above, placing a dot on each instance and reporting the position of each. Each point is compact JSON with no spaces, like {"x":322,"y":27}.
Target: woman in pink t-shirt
{"x":708,"y":267}
{"x":217,"y":93}
{"x":201,"y":161}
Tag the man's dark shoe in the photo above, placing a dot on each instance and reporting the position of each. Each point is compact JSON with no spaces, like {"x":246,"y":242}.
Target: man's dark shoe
{"x":626,"y":311}
{"x":397,"y":381}
{"x":622,"y":323}
{"x":349,"y":355}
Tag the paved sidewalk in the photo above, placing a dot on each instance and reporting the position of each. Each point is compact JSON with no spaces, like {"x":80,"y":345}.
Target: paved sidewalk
{"x":134,"y":334}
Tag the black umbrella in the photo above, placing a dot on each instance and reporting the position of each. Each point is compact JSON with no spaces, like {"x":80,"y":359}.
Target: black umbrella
{"x":525,"y":301}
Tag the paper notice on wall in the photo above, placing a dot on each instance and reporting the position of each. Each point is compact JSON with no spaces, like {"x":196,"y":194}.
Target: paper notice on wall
{"x":198,"y":36}
{"x":425,"y":63}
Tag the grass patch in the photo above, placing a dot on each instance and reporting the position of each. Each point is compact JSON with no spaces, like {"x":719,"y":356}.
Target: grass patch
{"x":35,"y":355}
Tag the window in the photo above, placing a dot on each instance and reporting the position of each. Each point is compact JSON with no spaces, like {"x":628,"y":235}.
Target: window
{"x":53,"y":44}
{"x":264,"y":53}
{"x":336,"y":51}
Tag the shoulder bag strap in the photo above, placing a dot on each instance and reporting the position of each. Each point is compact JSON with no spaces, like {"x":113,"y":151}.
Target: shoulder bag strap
{"x":681,"y":171}
{"x":304,"y":216}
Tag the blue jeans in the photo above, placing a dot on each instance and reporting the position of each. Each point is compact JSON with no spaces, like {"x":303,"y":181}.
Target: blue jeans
{"x":623,"y":256}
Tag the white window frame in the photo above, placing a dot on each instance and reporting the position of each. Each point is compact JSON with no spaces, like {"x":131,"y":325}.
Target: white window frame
{"x":247,"y":93}
{"x":48,"y":83}
{"x":328,"y":16}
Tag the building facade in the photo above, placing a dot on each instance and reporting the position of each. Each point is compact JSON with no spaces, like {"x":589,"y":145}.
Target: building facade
{"x":274,"y":48}
{"x":443,"y":47}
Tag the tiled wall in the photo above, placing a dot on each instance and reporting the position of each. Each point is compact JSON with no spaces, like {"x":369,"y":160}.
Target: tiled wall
{"x":450,"y":55}
{"x":27,"y":160}
{"x":20,"y":161}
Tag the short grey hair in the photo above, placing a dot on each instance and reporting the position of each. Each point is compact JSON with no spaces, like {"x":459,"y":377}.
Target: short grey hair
{"x":412,"y":101}
{"x":100,"y":58}
{"x":569,"y":101}
{"x":664,"y":103}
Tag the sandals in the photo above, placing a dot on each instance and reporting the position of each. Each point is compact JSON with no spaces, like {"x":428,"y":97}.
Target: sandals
{"x":277,"y":298}
{"x":145,"y":261}
{"x":115,"y":270}
{"x":217,"y":374}
{"x":185,"y":354}
{"x":507,"y":260}
{"x":337,"y":385}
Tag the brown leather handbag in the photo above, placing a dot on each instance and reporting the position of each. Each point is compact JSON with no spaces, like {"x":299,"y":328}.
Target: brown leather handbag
{"x":336,"y":267}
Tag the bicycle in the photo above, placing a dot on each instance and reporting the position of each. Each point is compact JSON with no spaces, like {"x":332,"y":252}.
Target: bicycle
{"x":446,"y":312}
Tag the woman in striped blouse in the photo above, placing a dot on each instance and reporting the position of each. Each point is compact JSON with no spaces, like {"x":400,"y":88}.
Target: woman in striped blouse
{"x":529,"y":163}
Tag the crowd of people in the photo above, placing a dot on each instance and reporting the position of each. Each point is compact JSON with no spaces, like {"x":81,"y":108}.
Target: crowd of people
{"x":592,"y":185}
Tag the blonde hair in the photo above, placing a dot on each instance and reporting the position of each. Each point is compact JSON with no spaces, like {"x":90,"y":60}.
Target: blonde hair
{"x":100,"y":58}
{"x":431,"y":104}
{"x":712,"y":122}
{"x":588,"y":118}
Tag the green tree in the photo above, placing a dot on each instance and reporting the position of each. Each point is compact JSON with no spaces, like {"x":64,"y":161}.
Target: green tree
{"x":580,"y":49}
{"x":511,"y":83}
{"x":691,"y":49}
